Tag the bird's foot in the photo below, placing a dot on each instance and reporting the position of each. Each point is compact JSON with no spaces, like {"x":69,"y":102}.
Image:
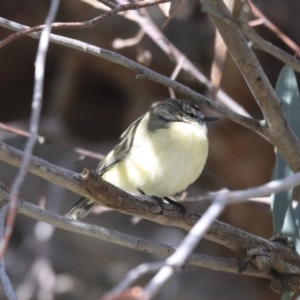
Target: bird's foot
{"x":162,"y":203}
{"x":177,"y":204}
{"x":158,"y":199}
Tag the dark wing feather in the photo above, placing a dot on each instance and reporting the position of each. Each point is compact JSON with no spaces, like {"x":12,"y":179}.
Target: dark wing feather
{"x":84,"y":205}
{"x":121,"y":150}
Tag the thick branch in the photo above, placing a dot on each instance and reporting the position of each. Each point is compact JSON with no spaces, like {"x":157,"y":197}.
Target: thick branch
{"x":149,"y":27}
{"x":146,"y":74}
{"x":268,"y":47}
{"x":280,"y":257}
{"x":276,"y":127}
{"x":229,"y":265}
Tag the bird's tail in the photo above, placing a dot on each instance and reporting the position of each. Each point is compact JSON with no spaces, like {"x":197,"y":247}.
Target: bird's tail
{"x":81,"y":208}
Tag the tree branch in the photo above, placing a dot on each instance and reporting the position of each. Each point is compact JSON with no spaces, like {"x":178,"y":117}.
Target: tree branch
{"x":148,"y":26}
{"x":262,"y":44}
{"x":229,"y":265}
{"x":276,"y":128}
{"x":187,"y":245}
{"x":84,"y":24}
{"x":280,"y":257}
{"x":290,"y":43}
{"x":158,"y":37}
{"x":43,"y":140}
{"x":36,"y":108}
{"x":146,"y":74}
{"x":8,"y":289}
{"x":258,"y":42}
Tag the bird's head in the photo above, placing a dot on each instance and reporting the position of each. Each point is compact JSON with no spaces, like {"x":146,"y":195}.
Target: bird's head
{"x":175,"y":110}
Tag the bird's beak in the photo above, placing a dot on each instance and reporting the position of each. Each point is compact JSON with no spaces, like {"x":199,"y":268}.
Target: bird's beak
{"x":210,"y":119}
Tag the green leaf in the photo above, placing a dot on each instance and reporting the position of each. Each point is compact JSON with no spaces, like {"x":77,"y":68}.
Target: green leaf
{"x":283,"y":214}
{"x":280,"y":201}
{"x":288,"y":92}
{"x":290,"y":228}
{"x":297,"y":245}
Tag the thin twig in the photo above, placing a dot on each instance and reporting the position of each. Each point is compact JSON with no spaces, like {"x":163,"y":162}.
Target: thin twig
{"x":274,"y":186}
{"x":289,"y":42}
{"x":178,"y":258}
{"x":43,"y":140}
{"x":34,"y":122}
{"x":256,"y":39}
{"x":153,"y":31}
{"x":8,"y":289}
{"x":126,"y":240}
{"x":276,"y":127}
{"x":220,"y":53}
{"x":262,"y":44}
{"x":157,"y":36}
{"x":131,"y":277}
{"x":175,"y":74}
{"x":146,"y":74}
{"x":109,"y":196}
{"x":84,"y":24}
{"x":21,"y":132}
{"x":279,"y":257}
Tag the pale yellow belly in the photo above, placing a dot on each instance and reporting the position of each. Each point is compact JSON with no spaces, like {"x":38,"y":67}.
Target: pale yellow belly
{"x":164,"y":164}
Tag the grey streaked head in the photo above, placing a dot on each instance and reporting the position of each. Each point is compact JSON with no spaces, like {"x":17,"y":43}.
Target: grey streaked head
{"x":174,"y":110}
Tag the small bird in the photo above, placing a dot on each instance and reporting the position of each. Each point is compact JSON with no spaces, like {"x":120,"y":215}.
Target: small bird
{"x":159,"y":155}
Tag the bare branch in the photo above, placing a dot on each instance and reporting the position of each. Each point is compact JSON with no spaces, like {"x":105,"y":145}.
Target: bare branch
{"x":85,"y":24}
{"x":255,"y":38}
{"x":34,"y":123}
{"x":8,"y":289}
{"x":195,"y":259}
{"x":157,"y":36}
{"x":20,"y":132}
{"x":263,"y":254}
{"x":280,"y":257}
{"x":43,"y":140}
{"x":131,"y":277}
{"x":178,"y":258}
{"x":262,"y":44}
{"x":153,"y":32}
{"x":220,"y":53}
{"x":146,"y":74}
{"x":115,"y":198}
{"x":274,"y":28}
{"x":175,"y":73}
{"x":276,"y":128}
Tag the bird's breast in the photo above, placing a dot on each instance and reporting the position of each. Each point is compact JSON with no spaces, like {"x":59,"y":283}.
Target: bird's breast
{"x":163,"y":162}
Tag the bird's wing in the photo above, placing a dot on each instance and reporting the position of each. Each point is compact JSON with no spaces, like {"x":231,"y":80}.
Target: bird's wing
{"x":121,"y":150}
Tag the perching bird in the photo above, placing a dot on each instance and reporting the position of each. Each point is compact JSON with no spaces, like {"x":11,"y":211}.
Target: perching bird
{"x":159,"y":155}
